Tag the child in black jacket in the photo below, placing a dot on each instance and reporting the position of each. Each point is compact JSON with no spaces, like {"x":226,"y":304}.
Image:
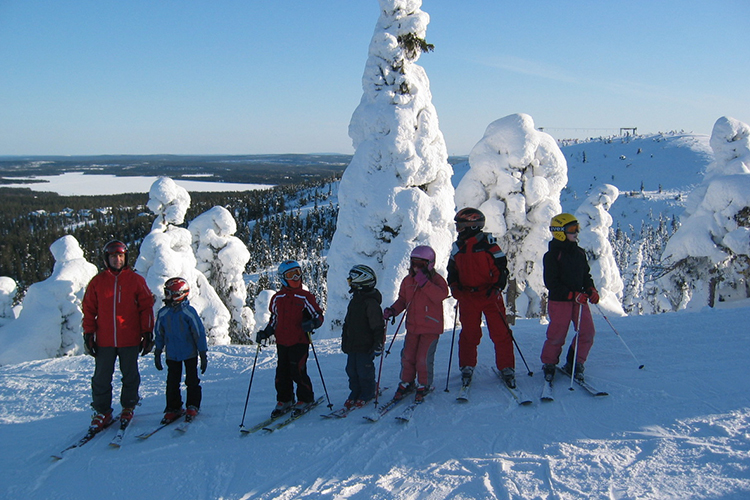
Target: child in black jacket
{"x":363,"y":335}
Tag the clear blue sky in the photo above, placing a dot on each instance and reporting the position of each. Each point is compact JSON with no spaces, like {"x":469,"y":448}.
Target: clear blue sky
{"x":247,"y":76}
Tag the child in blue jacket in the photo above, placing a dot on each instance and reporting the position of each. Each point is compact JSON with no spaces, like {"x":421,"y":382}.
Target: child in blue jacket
{"x":180,"y":330}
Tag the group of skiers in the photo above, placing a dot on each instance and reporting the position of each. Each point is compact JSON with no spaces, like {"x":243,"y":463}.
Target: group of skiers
{"x":118,"y":322}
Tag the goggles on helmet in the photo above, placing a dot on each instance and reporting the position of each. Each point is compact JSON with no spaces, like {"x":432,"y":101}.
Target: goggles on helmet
{"x":293,"y":274}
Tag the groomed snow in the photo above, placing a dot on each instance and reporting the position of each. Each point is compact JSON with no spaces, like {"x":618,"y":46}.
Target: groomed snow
{"x":679,"y":428}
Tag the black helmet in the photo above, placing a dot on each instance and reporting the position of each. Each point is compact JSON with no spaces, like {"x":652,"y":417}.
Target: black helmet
{"x":469,"y":218}
{"x":114,"y":247}
{"x":362,"y":277}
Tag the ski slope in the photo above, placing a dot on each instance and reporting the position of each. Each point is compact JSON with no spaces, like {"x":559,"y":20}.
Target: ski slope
{"x":679,"y":428}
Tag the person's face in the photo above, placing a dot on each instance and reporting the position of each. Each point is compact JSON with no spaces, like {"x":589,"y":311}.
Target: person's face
{"x":293,"y":278}
{"x":116,"y":261}
{"x":417,"y":264}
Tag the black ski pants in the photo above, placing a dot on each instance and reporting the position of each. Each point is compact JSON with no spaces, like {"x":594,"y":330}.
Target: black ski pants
{"x":101,"y":382}
{"x":291,"y":369}
{"x":192,"y":382}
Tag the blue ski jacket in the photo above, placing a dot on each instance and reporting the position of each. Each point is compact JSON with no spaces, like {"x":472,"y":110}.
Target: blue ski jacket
{"x":180,"y":330}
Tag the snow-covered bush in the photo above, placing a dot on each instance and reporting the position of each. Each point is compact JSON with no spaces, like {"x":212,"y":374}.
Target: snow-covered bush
{"x":595,"y":221}
{"x":396,"y":192}
{"x":710,"y":253}
{"x":8,"y":289}
{"x":262,"y":314}
{"x":222,"y":257}
{"x":166,"y":252}
{"x":49,"y":324}
{"x":515,"y":178}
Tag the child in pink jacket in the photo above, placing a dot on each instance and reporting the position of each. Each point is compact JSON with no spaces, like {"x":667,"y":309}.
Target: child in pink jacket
{"x":421,"y":294}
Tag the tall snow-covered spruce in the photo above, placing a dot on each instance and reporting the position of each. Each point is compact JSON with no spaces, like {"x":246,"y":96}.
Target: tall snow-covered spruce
{"x":709,"y":254}
{"x":396,"y":192}
{"x":595,"y":221}
{"x":166,"y":252}
{"x":515,"y":178}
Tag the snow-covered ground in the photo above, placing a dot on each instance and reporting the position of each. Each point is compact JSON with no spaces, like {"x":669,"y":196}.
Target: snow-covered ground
{"x":679,"y":428}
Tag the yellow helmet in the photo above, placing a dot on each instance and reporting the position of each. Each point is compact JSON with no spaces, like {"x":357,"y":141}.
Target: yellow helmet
{"x":559,"y":225}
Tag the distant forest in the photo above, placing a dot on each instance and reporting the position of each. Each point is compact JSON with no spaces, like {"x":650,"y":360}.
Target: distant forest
{"x":272,"y":223}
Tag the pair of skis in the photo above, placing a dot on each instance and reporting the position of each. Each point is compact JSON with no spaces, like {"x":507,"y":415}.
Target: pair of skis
{"x":516,"y":393}
{"x":548,"y":396}
{"x":90,"y":434}
{"x":344,"y":411}
{"x":182,"y":427}
{"x":272,"y":424}
{"x":404,"y":416}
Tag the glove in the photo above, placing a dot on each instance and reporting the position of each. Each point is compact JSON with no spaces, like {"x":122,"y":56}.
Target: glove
{"x":204,"y":361}
{"x":593,"y":295}
{"x":308,"y":326}
{"x":581,"y":298}
{"x":421,"y":278}
{"x":157,"y":360}
{"x":89,"y":344}
{"x":388,"y":313}
{"x":147,"y":343}
{"x":264,"y":334}
{"x":378,"y":350}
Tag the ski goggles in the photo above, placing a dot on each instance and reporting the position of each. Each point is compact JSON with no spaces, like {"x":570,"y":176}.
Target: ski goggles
{"x":293,"y":274}
{"x":572,"y":229}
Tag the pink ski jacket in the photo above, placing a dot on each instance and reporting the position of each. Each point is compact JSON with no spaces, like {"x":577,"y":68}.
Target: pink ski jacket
{"x":424,"y":306}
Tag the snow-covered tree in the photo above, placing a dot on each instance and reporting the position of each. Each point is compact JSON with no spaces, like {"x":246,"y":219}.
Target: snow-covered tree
{"x":396,"y":193}
{"x":49,"y":324}
{"x":8,"y":289}
{"x":710,"y":253}
{"x":262,"y":314}
{"x":595,"y":221}
{"x":515,"y":178}
{"x":222,"y":258}
{"x":166,"y":252}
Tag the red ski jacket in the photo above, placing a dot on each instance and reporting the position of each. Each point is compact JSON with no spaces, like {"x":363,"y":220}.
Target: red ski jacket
{"x":424,"y":305}
{"x":289,"y":308}
{"x":118,"y":308}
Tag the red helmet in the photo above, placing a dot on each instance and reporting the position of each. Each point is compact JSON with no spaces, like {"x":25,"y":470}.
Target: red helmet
{"x":114,"y":247}
{"x":176,"y":289}
{"x":469,"y":218}
{"x":424,"y":252}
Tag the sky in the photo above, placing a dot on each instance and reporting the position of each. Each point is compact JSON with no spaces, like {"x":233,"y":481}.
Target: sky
{"x":248,"y":77}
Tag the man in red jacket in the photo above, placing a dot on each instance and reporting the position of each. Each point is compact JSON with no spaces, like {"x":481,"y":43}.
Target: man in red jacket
{"x":118,"y":322}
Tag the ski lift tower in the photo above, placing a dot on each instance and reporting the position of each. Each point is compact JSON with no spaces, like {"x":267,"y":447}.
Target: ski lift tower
{"x":629,"y":131}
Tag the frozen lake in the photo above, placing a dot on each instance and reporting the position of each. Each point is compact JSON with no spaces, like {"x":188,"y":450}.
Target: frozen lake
{"x":78,"y":184}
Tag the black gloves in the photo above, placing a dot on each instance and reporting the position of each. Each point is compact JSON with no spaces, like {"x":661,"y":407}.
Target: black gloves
{"x":157,"y":360}
{"x":204,"y":361}
{"x":147,"y":342}
{"x":89,"y":344}
{"x":264,"y":334}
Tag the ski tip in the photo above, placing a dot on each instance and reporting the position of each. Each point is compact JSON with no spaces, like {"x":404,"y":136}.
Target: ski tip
{"x":525,"y":403}
{"x":56,"y":457}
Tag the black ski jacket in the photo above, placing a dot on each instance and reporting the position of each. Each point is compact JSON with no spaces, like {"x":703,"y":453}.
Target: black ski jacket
{"x":566,"y":270}
{"x":364,"y":326}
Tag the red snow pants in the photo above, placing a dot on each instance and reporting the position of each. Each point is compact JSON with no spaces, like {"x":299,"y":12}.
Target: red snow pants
{"x":471,"y":306}
{"x":418,"y":357}
{"x":560,"y":316}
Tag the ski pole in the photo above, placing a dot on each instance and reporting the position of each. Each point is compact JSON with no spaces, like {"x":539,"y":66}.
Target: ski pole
{"x":640,"y":366}
{"x":575,"y":351}
{"x":247,"y":398}
{"x":453,"y":341}
{"x":510,"y":332}
{"x":380,"y":368}
{"x":322,"y":380}
{"x":388,"y":351}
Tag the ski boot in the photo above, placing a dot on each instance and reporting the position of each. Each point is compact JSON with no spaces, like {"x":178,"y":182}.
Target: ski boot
{"x":509,"y":377}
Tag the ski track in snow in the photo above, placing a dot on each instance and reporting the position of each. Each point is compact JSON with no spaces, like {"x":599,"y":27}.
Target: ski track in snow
{"x":680,"y":428}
